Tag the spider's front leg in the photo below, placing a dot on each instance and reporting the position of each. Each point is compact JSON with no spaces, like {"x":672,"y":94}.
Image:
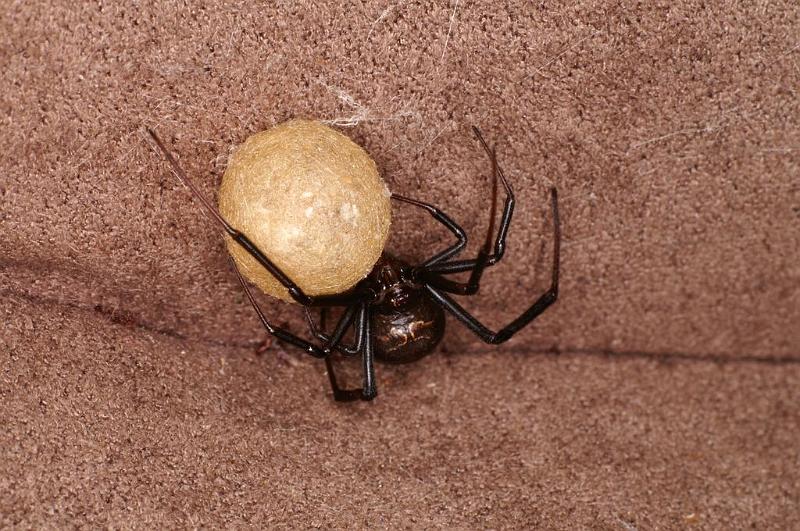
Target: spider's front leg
{"x":486,"y":257}
{"x":445,"y":220}
{"x":536,"y":309}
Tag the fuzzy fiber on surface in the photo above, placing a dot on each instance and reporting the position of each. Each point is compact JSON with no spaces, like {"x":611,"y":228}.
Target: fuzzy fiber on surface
{"x":661,"y":391}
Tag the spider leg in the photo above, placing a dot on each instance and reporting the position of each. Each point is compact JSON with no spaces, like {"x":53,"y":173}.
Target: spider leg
{"x":539,"y":306}
{"x":485,"y":257}
{"x":340,"y":395}
{"x":431,"y":263}
{"x":445,"y":220}
{"x":280,"y":333}
{"x":341,"y":328}
{"x":364,"y":345}
{"x":295,"y":291}
{"x":369,"y":390}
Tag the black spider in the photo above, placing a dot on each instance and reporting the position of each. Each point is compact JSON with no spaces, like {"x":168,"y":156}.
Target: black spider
{"x":398,"y":310}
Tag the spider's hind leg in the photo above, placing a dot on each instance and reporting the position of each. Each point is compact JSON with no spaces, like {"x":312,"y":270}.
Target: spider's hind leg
{"x":342,"y":395}
{"x":344,"y":299}
{"x":362,"y":330}
{"x":348,"y":299}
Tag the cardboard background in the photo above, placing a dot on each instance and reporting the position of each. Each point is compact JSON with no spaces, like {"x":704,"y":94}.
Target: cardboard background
{"x":131,"y":391}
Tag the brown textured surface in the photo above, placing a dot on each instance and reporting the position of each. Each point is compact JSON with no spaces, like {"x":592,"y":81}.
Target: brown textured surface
{"x":131,"y":393}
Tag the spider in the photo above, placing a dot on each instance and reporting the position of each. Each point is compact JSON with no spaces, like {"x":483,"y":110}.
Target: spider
{"x":398,"y":310}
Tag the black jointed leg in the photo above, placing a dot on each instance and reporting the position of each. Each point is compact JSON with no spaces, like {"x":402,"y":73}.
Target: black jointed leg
{"x":283,"y":335}
{"x":369,"y":390}
{"x":295,"y":291}
{"x":485,"y":257}
{"x":363,"y":344}
{"x":340,"y":395}
{"x":335,"y":340}
{"x":541,"y":304}
{"x":445,"y":220}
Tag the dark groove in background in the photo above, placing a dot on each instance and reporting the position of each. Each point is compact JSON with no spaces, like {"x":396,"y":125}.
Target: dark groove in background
{"x":126,"y":319}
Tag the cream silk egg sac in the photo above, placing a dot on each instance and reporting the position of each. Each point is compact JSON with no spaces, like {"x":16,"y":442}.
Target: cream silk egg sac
{"x":313,"y":201}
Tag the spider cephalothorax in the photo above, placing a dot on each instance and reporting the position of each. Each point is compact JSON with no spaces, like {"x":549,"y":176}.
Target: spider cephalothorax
{"x":397,"y":312}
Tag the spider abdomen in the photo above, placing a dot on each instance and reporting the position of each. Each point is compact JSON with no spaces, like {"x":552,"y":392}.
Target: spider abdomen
{"x":407,"y":334}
